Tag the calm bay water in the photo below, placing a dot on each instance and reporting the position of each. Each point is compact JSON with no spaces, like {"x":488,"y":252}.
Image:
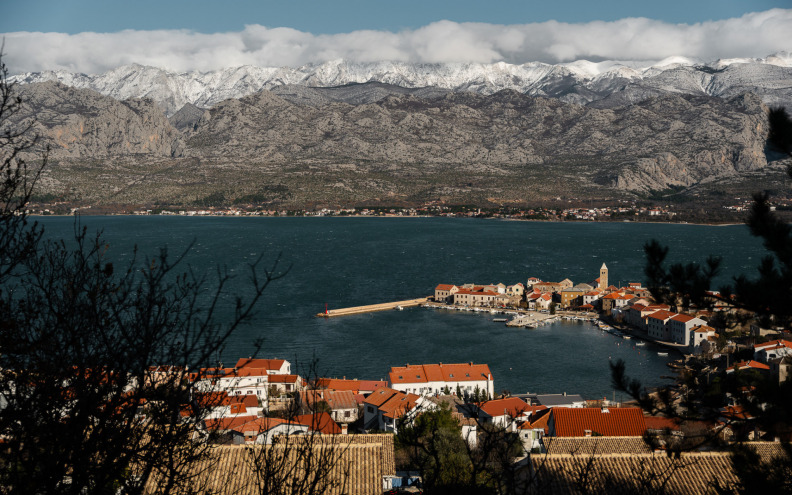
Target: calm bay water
{"x":354,"y":261}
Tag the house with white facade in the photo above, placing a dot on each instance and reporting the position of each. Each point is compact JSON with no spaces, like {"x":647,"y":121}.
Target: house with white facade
{"x":679,"y":327}
{"x":539,"y":300}
{"x":253,"y":430}
{"x":700,"y":334}
{"x":772,"y":350}
{"x":272,"y":366}
{"x":249,"y":377}
{"x":508,"y":413}
{"x":342,"y":404}
{"x":591,"y":297}
{"x":221,"y":405}
{"x":232,"y":381}
{"x":386,"y":408}
{"x":436,"y":379}
{"x":656,"y":325}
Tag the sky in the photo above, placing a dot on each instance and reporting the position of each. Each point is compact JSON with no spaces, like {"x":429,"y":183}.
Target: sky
{"x":93,"y":36}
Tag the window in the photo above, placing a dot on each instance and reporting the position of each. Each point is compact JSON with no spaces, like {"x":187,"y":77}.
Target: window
{"x":347,"y":414}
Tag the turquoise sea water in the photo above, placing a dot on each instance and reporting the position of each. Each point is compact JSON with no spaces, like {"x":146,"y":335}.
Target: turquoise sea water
{"x":354,"y":261}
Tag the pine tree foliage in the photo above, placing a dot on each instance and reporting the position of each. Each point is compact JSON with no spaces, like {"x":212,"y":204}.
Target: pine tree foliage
{"x":701,"y":393}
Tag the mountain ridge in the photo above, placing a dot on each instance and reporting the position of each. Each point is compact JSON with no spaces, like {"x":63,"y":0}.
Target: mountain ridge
{"x":377,"y":144}
{"x":582,"y":81}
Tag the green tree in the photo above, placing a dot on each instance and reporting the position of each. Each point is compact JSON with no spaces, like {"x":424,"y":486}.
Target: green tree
{"x":433,"y":443}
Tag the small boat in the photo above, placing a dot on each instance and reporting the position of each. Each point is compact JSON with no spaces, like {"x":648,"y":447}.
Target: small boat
{"x":640,"y":343}
{"x":399,"y":308}
{"x":662,"y":354}
{"x":500,"y":320}
{"x":627,"y":337}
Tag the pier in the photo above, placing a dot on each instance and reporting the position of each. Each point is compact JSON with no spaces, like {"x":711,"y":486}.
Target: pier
{"x":372,"y":308}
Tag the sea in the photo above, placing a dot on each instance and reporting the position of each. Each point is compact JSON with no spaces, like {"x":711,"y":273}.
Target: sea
{"x":338,"y":262}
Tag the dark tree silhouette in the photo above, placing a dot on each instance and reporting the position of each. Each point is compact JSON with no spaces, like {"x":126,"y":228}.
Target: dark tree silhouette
{"x":701,"y":394}
{"x":94,"y":358}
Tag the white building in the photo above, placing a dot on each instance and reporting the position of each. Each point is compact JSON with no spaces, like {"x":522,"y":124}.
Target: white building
{"x":386,"y":408}
{"x":679,"y":327}
{"x":772,"y":350}
{"x":698,"y":335}
{"x":656,"y":325}
{"x":436,"y":379}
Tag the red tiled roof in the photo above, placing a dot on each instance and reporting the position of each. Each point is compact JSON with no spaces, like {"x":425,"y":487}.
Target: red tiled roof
{"x":539,"y":420}
{"x":444,"y":287}
{"x":217,"y":373}
{"x":267,"y":364}
{"x":773,"y":344}
{"x":682,"y":318}
{"x":227,"y":423}
{"x":617,"y":422}
{"x":336,"y":399}
{"x":660,"y":423}
{"x":283,"y":378}
{"x":661,"y":315}
{"x":513,"y":406}
{"x":748,"y":364}
{"x":321,"y":422}
{"x":423,"y":373}
{"x":398,"y":405}
{"x":477,"y":292}
{"x":352,"y":385}
{"x":379,"y":397}
{"x":259,"y":425}
{"x":735,"y":413}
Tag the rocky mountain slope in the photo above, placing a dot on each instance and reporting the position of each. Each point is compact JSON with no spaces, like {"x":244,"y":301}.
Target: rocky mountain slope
{"x":374,"y":143}
{"x":609,"y":83}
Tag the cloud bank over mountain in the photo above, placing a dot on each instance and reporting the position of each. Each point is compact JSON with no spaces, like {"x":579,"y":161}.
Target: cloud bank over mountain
{"x":752,"y":35}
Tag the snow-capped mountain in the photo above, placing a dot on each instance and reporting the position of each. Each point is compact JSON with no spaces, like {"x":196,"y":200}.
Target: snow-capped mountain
{"x":603,"y":84}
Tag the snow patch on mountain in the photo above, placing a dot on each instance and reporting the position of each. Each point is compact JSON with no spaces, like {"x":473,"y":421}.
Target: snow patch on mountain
{"x":581,"y":81}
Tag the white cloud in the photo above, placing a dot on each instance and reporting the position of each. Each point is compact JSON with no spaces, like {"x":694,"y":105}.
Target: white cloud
{"x":752,"y":35}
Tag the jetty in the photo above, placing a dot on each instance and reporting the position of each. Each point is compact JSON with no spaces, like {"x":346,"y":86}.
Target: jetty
{"x":355,"y":310}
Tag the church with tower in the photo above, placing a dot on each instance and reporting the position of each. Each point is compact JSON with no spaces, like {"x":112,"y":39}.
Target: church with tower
{"x":603,"y":278}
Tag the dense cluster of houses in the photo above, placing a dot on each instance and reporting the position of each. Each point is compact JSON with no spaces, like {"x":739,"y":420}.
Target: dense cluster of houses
{"x":241,"y":401}
{"x":537,"y":294}
{"x":631,"y":304}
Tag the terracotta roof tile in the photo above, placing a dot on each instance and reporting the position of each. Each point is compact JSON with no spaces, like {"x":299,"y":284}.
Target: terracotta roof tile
{"x":423,"y":373}
{"x":616,"y":422}
{"x":513,"y":406}
{"x":267,"y":364}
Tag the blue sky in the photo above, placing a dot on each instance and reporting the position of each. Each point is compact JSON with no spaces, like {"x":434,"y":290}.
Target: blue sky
{"x":340,"y":16}
{"x":94,"y":36}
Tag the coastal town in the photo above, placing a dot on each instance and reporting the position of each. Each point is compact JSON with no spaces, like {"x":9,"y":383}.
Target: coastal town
{"x":265,"y":401}
{"x":557,"y":210}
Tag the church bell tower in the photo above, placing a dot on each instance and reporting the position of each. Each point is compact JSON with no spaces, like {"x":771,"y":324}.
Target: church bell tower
{"x":603,"y":278}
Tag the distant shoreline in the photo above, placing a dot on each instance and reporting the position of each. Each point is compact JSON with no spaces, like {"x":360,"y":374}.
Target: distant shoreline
{"x":582,"y":222}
